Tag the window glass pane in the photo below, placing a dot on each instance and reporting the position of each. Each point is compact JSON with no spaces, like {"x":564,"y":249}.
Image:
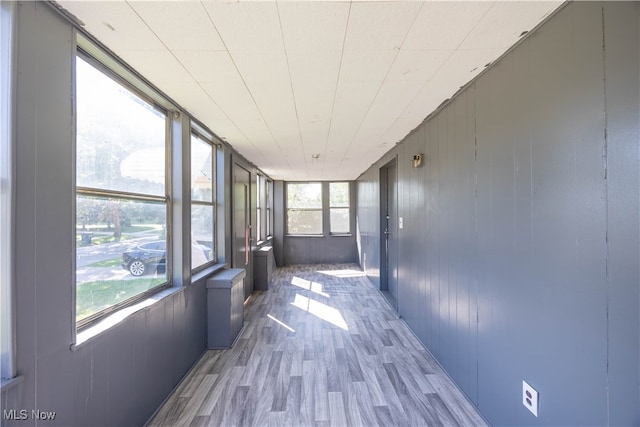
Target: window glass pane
{"x":269,"y":191}
{"x":201,"y":170}
{"x":113,"y":262}
{"x":6,"y":324}
{"x":339,"y":220}
{"x":339,"y":194}
{"x":201,"y":234}
{"x":259,"y":180}
{"x":120,"y":137}
{"x":304,"y":222}
{"x":304,"y":195}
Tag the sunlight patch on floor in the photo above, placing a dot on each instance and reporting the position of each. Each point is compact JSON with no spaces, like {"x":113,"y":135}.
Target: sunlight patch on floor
{"x":343,"y":273}
{"x":284,"y":325}
{"x":320,"y":310}
{"x":314,"y":287}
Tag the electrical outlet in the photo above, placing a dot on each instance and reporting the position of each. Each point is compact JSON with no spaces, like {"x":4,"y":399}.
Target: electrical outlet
{"x":530,"y":398}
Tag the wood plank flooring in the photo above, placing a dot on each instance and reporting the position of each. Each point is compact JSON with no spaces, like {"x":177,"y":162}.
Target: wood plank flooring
{"x":321,"y":347}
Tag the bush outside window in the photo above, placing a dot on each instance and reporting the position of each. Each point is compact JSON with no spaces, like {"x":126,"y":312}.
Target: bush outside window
{"x":304,"y":208}
{"x":339,"y":207}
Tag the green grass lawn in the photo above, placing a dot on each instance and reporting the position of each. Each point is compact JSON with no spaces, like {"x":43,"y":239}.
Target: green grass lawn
{"x":92,"y":297}
{"x":113,"y":262}
{"x":99,"y":239}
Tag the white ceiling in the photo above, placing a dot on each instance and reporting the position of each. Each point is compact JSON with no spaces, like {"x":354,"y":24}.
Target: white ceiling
{"x":282,"y":81}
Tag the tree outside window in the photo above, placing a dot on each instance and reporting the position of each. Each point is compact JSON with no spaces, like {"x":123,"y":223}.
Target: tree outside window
{"x":121,"y":196}
{"x":339,"y":207}
{"x":304,"y":208}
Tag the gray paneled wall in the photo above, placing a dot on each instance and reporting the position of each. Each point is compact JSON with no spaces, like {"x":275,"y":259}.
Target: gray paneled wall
{"x":520,"y":247}
{"x":122,"y":375}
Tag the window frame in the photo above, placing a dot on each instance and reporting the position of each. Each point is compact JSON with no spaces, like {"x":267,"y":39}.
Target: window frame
{"x":269,"y":208}
{"x":259,"y":202}
{"x":348,"y":208}
{"x":213,"y":204}
{"x":320,"y":209}
{"x":7,"y":193}
{"x":87,"y":54}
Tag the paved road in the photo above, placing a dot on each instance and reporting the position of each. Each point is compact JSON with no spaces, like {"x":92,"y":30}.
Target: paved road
{"x":87,"y":255}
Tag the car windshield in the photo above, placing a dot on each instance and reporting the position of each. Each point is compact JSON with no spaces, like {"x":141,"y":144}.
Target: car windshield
{"x":155,"y":246}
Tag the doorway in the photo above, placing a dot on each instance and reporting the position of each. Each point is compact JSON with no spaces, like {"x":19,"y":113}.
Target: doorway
{"x":389,"y":232}
{"x":241,"y":249}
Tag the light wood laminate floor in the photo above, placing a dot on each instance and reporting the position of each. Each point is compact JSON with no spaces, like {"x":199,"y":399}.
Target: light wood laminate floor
{"x":321,"y":347}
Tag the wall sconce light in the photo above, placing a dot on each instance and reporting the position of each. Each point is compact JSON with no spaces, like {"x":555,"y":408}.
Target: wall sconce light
{"x":417,"y":160}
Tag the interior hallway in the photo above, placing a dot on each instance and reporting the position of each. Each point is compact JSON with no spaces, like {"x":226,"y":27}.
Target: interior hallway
{"x":321,"y":347}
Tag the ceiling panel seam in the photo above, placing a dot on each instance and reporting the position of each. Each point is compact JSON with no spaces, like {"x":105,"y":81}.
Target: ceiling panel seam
{"x":293,"y":92}
{"x":183,"y":66}
{"x":397,"y":52}
{"x":335,"y":91}
{"x":442,"y":65}
{"x":263,"y":155}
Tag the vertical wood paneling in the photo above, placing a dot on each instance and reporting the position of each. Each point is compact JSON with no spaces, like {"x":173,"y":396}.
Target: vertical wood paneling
{"x":622,"y":68}
{"x":529,"y":254}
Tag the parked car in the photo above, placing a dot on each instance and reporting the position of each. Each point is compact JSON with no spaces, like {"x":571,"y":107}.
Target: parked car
{"x":146,"y":258}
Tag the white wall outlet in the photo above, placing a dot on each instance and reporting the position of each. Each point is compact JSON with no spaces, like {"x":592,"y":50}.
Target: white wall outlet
{"x":530,"y":398}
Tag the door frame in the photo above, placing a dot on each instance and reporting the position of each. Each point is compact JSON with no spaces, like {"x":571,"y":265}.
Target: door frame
{"x":384,"y":204}
{"x":248,"y":237}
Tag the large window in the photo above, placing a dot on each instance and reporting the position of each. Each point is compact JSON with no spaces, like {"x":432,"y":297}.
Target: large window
{"x":6,"y":211}
{"x":269,"y":200}
{"x":121,"y":193}
{"x":304,"y":208}
{"x":339,"y":207}
{"x":259,"y":203}
{"x":202,"y":201}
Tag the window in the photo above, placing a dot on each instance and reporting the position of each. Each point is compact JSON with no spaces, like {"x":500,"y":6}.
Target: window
{"x":121,"y":193}
{"x":339,"y":207}
{"x":6,"y":211}
{"x":269,"y":199}
{"x":202,"y":201}
{"x":304,"y":208}
{"x":259,"y":203}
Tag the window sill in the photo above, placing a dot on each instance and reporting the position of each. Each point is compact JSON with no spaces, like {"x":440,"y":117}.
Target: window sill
{"x":114,"y":319}
{"x":9,"y":383}
{"x":321,"y":235}
{"x":206,"y":272}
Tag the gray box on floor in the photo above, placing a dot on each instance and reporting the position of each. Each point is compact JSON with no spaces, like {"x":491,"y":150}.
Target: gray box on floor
{"x":225,"y":307}
{"x":264,"y":265}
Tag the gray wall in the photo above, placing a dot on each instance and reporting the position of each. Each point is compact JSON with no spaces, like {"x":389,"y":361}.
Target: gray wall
{"x":113,"y":379}
{"x":121,"y":376}
{"x":519,"y":255}
{"x":291,"y":250}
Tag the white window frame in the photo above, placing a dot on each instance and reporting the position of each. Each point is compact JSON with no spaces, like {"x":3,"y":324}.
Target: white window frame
{"x":112,"y":69}
{"x":269,"y":207}
{"x":7,"y":193}
{"x":348,"y":208}
{"x":319,"y":209}
{"x":201,"y":135}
